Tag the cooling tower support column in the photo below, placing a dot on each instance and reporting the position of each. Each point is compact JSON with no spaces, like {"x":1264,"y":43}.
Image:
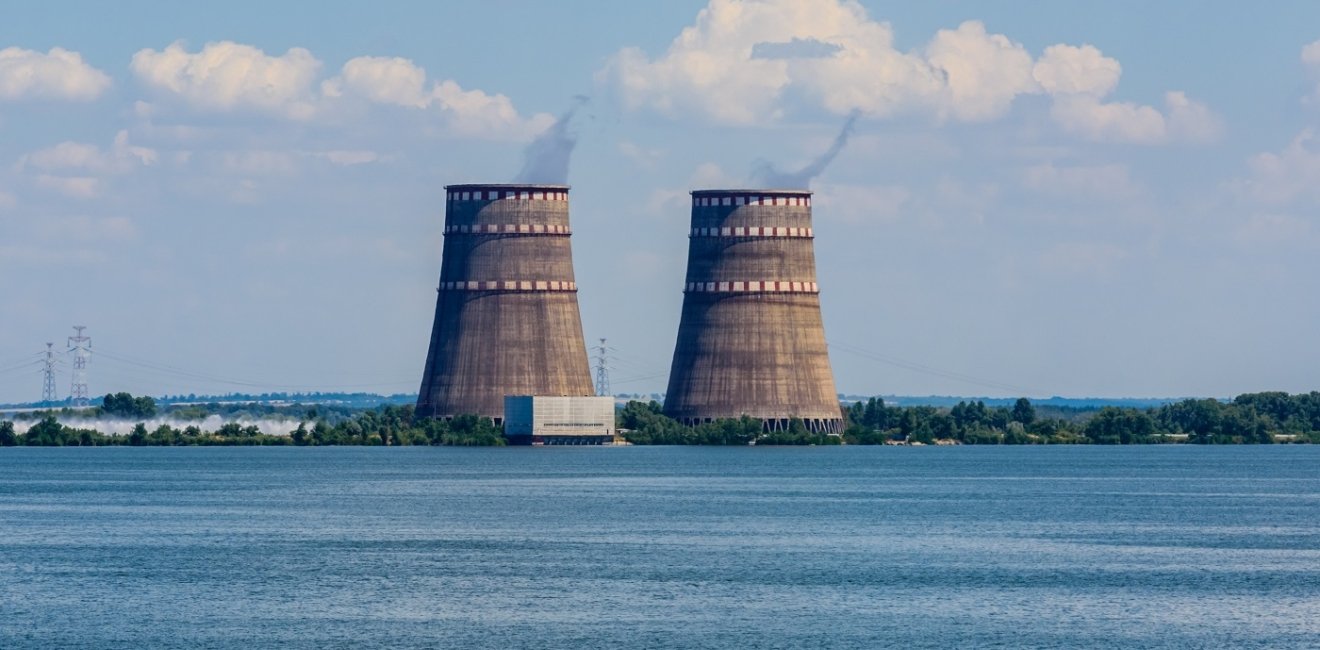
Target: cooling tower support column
{"x":506,"y":319}
{"x":751,"y":341}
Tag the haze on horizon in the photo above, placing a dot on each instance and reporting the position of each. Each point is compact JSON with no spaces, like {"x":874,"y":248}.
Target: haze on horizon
{"x":1084,"y":199}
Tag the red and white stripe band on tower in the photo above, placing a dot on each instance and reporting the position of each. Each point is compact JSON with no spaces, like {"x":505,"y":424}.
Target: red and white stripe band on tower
{"x":518,"y":194}
{"x":752,"y":231}
{"x":750,"y":199}
{"x":508,"y":285}
{"x":772,"y":286}
{"x":508,"y":229}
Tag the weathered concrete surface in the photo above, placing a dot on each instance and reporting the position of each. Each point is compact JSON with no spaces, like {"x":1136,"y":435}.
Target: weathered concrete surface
{"x":745,"y":347}
{"x":488,"y":343}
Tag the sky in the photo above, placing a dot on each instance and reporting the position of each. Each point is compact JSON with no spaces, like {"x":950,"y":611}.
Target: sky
{"x":1066,"y":198}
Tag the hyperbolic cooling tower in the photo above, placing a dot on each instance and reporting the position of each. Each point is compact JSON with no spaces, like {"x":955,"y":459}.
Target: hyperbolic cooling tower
{"x":506,"y":319}
{"x":751,"y":341}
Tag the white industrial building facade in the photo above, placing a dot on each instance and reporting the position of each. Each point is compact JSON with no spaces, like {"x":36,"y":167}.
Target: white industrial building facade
{"x":558,"y":420}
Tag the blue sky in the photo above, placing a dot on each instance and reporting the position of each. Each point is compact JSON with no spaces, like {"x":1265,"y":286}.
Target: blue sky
{"x":1077,"y":199}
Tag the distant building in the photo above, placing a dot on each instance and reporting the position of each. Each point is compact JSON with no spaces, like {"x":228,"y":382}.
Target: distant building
{"x":558,"y":420}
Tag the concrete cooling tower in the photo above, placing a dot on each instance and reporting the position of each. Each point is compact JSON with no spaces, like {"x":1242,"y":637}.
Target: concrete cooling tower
{"x":750,"y":340}
{"x":506,"y":319}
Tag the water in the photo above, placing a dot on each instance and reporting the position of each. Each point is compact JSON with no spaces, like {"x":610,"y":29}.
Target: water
{"x":1064,"y":547}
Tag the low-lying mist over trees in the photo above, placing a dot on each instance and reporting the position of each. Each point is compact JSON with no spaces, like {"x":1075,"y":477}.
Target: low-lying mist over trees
{"x":122,"y":419}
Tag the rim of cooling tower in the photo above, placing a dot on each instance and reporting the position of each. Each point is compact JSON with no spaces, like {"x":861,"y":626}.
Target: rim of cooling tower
{"x":778,"y":192}
{"x":509,"y":186}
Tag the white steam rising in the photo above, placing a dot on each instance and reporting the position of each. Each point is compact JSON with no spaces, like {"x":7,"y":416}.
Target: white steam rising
{"x":545,"y":160}
{"x":768,"y":176}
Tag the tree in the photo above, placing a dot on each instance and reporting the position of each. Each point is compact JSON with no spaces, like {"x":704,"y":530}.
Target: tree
{"x":138,"y":436}
{"x":1200,"y":419}
{"x":1118,"y":426}
{"x":46,"y":433}
{"x":1023,"y":412}
{"x":472,"y":430}
{"x":164,"y":435}
{"x":644,"y":424}
{"x":1243,"y":424}
{"x":7,"y":436}
{"x":875,"y":414}
{"x":322,"y":434}
{"x":125,"y":405}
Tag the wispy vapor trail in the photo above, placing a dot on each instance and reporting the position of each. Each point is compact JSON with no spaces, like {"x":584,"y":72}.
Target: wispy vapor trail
{"x":545,"y":160}
{"x":766,"y":175}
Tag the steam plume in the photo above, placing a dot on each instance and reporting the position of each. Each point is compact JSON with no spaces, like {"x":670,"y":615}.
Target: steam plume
{"x":766,"y":175}
{"x":545,"y":160}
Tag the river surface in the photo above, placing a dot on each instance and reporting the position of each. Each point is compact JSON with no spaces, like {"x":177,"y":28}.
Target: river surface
{"x":660,"y":547}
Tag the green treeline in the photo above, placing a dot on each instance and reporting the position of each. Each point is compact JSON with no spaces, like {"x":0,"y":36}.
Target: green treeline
{"x":644,"y":424}
{"x":126,"y":406}
{"x":386,"y":425}
{"x":1254,"y":418}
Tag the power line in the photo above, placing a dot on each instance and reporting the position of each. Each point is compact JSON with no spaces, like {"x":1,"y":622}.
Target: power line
{"x":30,"y":363}
{"x":23,"y":359}
{"x":922,"y":368}
{"x":630,"y":380}
{"x":177,"y":372}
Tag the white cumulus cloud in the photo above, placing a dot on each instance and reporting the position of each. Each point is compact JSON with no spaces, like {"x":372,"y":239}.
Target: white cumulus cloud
{"x":1080,"y":77}
{"x":1311,"y":60}
{"x":81,"y":157}
{"x":57,"y":74}
{"x":79,"y":170}
{"x":401,"y":82}
{"x":982,"y":72}
{"x":748,"y":62}
{"x":226,"y":75}
{"x":1189,"y":120}
{"x":1070,"y":70}
{"x":1097,"y":120}
{"x":1286,"y":176}
{"x":382,"y":80}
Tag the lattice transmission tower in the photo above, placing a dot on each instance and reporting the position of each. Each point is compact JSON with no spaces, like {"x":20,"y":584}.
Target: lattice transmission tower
{"x":48,"y":375}
{"x":80,"y":346}
{"x":602,"y":369}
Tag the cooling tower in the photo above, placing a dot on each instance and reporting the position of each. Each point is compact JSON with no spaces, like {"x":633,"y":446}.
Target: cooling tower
{"x":751,"y":341}
{"x":506,"y":319}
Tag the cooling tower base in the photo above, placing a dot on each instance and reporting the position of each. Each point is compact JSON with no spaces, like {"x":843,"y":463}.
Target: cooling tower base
{"x":560,"y":441}
{"x":768,"y":425}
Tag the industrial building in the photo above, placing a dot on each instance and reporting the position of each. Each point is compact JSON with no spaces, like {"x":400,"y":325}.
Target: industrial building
{"x":506,"y":317}
{"x":750,"y":338}
{"x":554,"y":420}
